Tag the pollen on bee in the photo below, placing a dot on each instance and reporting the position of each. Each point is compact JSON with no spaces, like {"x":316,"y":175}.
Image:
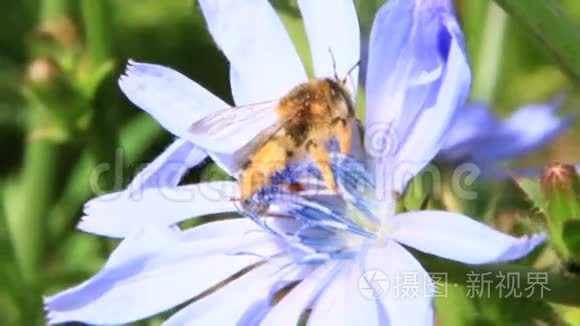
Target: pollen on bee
{"x":295,"y":187}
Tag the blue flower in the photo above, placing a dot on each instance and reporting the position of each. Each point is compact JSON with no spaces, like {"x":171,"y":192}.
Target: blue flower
{"x":315,"y":247}
{"x":479,"y":137}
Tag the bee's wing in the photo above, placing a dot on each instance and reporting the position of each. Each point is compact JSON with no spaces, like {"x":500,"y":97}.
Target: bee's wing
{"x":229,"y":130}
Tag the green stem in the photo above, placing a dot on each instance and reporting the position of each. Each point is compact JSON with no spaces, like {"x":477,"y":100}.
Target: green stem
{"x":469,"y":13}
{"x":51,"y":10}
{"x":135,"y":138}
{"x":97,"y":23}
{"x":562,"y":289}
{"x":489,"y":58}
{"x":557,"y":33}
{"x":77,"y":190}
{"x":34,"y":197}
{"x":138,"y":135}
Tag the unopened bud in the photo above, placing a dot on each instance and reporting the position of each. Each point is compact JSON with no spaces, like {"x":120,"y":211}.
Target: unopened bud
{"x":42,"y":71}
{"x":559,"y":177}
{"x":60,"y":31}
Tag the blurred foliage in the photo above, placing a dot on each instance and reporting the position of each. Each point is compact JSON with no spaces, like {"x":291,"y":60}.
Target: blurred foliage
{"x":62,"y":115}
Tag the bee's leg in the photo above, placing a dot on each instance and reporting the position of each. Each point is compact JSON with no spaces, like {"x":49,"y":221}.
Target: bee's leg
{"x":321,"y":159}
{"x":343,"y":132}
{"x":267,"y":160}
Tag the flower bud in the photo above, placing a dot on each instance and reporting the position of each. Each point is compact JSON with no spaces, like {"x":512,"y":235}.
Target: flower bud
{"x":61,"y":32}
{"x":560,"y":189}
{"x":559,"y":177}
{"x":42,"y":71}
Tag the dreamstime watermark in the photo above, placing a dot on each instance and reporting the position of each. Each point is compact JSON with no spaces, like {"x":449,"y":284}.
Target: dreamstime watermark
{"x":375,"y":284}
{"x":107,"y":178}
{"x":381,"y":141}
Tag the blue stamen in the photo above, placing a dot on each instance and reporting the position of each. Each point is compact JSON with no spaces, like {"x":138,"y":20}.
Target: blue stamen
{"x":323,"y":222}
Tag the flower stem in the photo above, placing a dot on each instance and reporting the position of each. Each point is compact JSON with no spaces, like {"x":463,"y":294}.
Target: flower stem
{"x":488,"y":64}
{"x":135,"y":138}
{"x":97,"y":25}
{"x":34,"y":188}
{"x":34,"y":197}
{"x":53,"y":10}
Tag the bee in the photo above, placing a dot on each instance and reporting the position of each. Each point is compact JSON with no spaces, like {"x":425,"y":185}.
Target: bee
{"x":295,"y":127}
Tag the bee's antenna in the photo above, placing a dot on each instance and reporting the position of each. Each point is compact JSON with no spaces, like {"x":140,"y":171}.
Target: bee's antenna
{"x":333,"y":63}
{"x":350,"y":70}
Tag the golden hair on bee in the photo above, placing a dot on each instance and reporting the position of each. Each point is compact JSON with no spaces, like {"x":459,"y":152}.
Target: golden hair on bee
{"x":294,"y":127}
{"x":313,"y":113}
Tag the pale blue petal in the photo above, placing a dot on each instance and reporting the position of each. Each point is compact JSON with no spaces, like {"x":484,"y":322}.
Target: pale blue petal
{"x":245,"y":299}
{"x":429,"y":130}
{"x":416,"y":81}
{"x":342,"y":302}
{"x":480,"y":137}
{"x":158,"y":273}
{"x":413,"y":307}
{"x":338,"y":32}
{"x":387,"y":47}
{"x":471,"y":124}
{"x":526,"y":130}
{"x":176,"y":102}
{"x":169,"y":167}
{"x":264,"y":62}
{"x":330,"y":307}
{"x":119,"y":214}
{"x":172,"y":99}
{"x":292,"y":306}
{"x":460,"y":238}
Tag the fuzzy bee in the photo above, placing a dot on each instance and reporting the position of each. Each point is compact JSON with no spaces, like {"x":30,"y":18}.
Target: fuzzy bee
{"x":295,"y":127}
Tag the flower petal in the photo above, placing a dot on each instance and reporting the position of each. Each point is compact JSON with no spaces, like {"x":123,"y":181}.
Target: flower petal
{"x":248,"y":297}
{"x":164,"y":271}
{"x":415,"y":84}
{"x":121,"y":213}
{"x":471,"y":124}
{"x":331,"y":302}
{"x":460,"y":238}
{"x":292,"y":306}
{"x":407,"y":300}
{"x":264,"y":62}
{"x":172,"y":99}
{"x":338,"y":33}
{"x":478,"y":136}
{"x":342,"y":303}
{"x":169,"y":167}
{"x":526,"y":130}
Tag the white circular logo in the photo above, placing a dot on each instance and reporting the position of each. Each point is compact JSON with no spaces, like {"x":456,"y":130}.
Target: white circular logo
{"x":373,"y":284}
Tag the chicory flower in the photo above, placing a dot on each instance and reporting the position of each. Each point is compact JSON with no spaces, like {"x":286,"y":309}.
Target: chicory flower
{"x":317,"y":250}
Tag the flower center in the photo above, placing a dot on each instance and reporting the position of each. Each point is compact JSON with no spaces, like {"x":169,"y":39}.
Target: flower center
{"x":327,"y":224}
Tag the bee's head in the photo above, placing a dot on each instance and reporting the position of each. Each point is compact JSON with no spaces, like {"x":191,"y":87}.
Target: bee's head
{"x":341,"y":98}
{"x":340,"y":94}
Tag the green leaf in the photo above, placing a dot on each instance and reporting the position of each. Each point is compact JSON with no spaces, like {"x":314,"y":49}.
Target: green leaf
{"x":561,"y":288}
{"x":453,"y":308}
{"x":532,"y":188}
{"x":213,"y":172}
{"x":552,"y":28}
{"x":533,"y":191}
{"x":571,"y":236}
